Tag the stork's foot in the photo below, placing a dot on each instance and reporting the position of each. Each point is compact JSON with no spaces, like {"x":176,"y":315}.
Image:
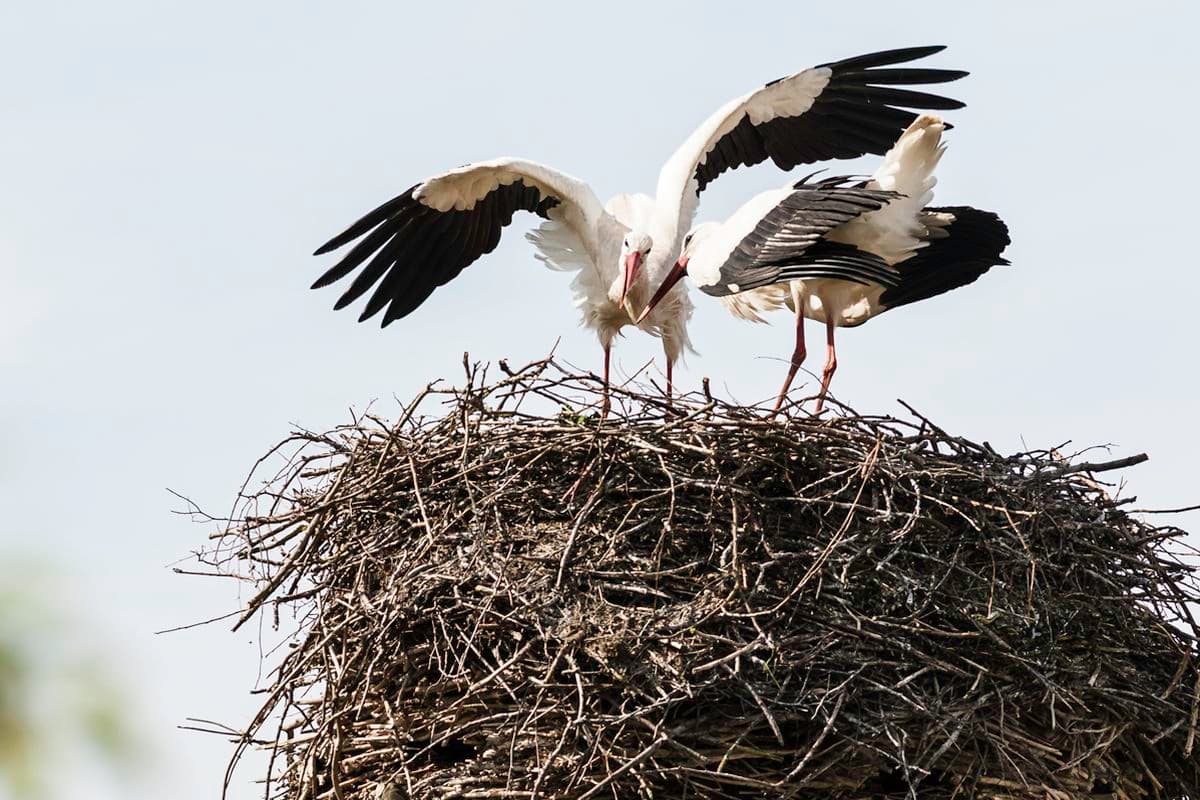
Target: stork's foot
{"x":778,"y":405}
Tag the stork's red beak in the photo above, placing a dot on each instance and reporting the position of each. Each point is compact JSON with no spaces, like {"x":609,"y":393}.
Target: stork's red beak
{"x":673,"y":277}
{"x":633,"y":263}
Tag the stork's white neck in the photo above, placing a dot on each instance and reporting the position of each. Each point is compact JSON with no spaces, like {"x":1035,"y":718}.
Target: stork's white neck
{"x":673,"y":214}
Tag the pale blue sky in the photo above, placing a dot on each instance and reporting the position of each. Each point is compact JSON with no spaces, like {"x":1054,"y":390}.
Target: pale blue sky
{"x":165,"y":170}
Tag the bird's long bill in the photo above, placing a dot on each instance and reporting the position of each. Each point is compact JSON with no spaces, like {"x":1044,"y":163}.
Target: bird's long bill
{"x":632,"y":262}
{"x":673,"y":277}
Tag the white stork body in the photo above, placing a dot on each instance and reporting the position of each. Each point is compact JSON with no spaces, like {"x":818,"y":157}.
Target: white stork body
{"x":428,"y":234}
{"x":598,"y":288}
{"x":842,"y":254}
{"x":893,"y":233}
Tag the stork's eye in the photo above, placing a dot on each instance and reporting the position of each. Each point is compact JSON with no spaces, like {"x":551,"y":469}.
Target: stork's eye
{"x":687,"y":240}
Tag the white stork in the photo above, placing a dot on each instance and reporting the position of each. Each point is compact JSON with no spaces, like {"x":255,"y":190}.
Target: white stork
{"x":424,"y":237}
{"x":842,"y":253}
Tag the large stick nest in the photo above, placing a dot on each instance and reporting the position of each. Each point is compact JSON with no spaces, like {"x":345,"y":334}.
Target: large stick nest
{"x":515,"y":598}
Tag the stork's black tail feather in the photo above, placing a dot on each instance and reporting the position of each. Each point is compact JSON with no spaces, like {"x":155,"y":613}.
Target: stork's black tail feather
{"x":972,"y":246}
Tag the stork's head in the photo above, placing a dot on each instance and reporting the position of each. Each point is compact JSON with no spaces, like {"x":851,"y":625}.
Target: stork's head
{"x":695,"y":239}
{"x":691,"y":243}
{"x":634,"y":251}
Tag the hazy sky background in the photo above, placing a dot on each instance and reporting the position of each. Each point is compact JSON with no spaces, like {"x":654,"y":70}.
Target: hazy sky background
{"x":165,"y":171}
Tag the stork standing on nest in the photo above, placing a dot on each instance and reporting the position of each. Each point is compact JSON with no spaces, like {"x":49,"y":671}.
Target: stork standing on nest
{"x":428,"y":234}
{"x":840,"y":253}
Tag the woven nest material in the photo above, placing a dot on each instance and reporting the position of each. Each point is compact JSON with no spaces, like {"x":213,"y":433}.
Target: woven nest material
{"x":514,"y":598}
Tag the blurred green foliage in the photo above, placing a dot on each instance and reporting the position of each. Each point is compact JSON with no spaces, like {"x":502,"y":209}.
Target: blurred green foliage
{"x":59,"y":702}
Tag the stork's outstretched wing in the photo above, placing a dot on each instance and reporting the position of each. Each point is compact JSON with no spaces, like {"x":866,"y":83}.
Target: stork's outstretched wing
{"x":844,"y":109}
{"x":427,"y":235}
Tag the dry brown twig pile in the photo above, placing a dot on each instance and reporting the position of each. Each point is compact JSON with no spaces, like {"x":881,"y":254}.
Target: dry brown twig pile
{"x":492,"y":602}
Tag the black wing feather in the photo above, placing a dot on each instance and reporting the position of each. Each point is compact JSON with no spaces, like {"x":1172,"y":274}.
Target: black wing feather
{"x":909,"y":75}
{"x":420,"y":265}
{"x":359,"y":253}
{"x":369,"y":274}
{"x":901,"y":97}
{"x":367,"y":222}
{"x":883,"y":58}
{"x":400,"y":282}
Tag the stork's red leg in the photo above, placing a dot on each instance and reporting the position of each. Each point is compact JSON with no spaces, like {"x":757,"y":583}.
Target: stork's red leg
{"x":670,"y":383}
{"x":607,"y":357}
{"x":830,"y":362}
{"x":797,"y":357}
